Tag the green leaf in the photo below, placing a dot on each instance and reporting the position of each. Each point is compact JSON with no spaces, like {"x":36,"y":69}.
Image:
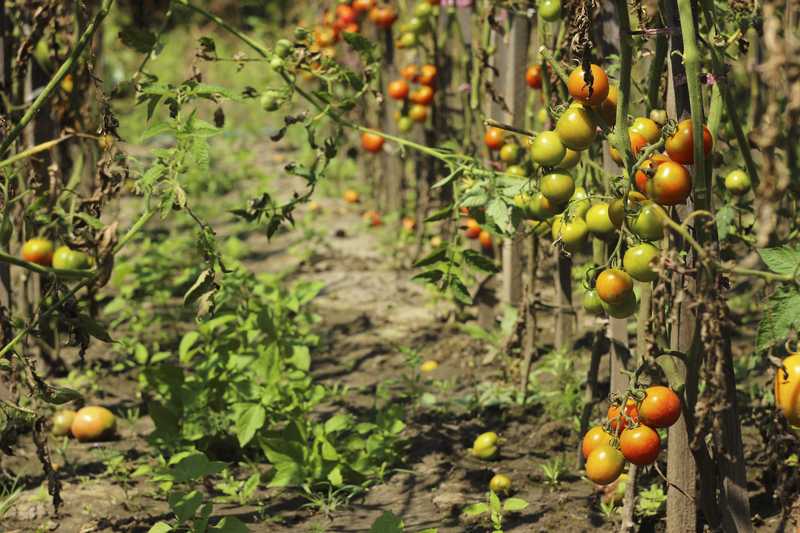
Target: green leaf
{"x":440,"y":254}
{"x":185,"y":505}
{"x":335,"y":477}
{"x":337,"y":423}
{"x":250,"y":420}
{"x":781,"y":260}
{"x":301,"y":357}
{"x":388,"y":522}
{"x":160,"y":527}
{"x":229,"y":524}
{"x":93,"y":328}
{"x":195,"y":466}
{"x":480,"y":261}
{"x":781,"y":317}
{"x":476,"y":509}
{"x":460,"y":291}
{"x":159,"y":128}
{"x":498,"y":211}
{"x":494,"y":502}
{"x":429,"y":276}
{"x":440,"y":214}
{"x":60,"y":395}
{"x":475,"y":199}
{"x":138,"y":38}
{"x":184,"y":349}
{"x":724,"y":217}
{"x":514,"y":504}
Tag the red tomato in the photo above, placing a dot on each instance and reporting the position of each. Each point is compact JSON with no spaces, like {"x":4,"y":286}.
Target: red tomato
{"x":640,"y":445}
{"x":427,"y":75}
{"x":534,"y":77}
{"x":383,"y":16}
{"x":346,"y":14}
{"x":646,"y":170}
{"x":362,"y":6}
{"x":473,"y":230}
{"x":410,"y":72}
{"x":679,"y":146}
{"x":660,"y":408}
{"x":422,"y":96}
{"x":671,"y":184}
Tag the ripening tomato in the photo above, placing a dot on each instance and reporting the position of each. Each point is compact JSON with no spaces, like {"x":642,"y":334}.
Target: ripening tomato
{"x":473,"y":228}
{"x":646,"y":170}
{"x":371,"y":142}
{"x":597,"y":436}
{"x":540,"y":208}
{"x":592,"y":302}
{"x":350,"y":196}
{"x":579,"y":88}
{"x":422,"y":95}
{"x":383,"y":16}
{"x":410,"y":72}
{"x":598,"y":221}
{"x":638,"y":262}
{"x":325,"y":37}
{"x":613,"y":284}
{"x":637,"y":142}
{"x":533,"y":76}
{"x":373,"y":218}
{"x":427,"y":75}
{"x":557,"y":187}
{"x":398,"y":89}
{"x":787,"y":389}
{"x":572,"y":234}
{"x":62,"y":422}
{"x":604,"y":465}
{"x":660,"y":408}
{"x":516,"y":170}
{"x":549,"y":10}
{"x":362,"y":6}
{"x":608,"y":109}
{"x":576,"y":127}
{"x":510,"y":153}
{"x":671,"y":184}
{"x":737,"y":182}
{"x":622,"y":309}
{"x":647,"y":128}
{"x":494,"y":138}
{"x":346,"y":14}
{"x":680,"y":148}
{"x":485,"y":238}
{"x":547,"y":149}
{"x":66,"y":258}
{"x":418,"y":113}
{"x":38,"y":250}
{"x":93,"y":423}
{"x":640,"y":445}
{"x":616,"y":420}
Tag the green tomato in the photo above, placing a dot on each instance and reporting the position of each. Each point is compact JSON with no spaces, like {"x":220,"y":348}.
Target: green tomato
{"x":571,"y":233}
{"x":516,"y":170}
{"x":576,"y":127}
{"x":737,"y":182}
{"x":592,"y":302}
{"x":638,"y":261}
{"x":423,"y":10}
{"x":647,"y":224}
{"x":580,"y":202}
{"x":550,"y":10}
{"x":547,"y":149}
{"x":270,"y":101}
{"x":598,"y":221}
{"x":408,"y":39}
{"x":542,"y":116}
{"x":66,"y":258}
{"x":571,"y":159}
{"x":404,"y":124}
{"x":283,"y":48}
{"x":540,"y":208}
{"x":624,"y":308}
{"x":557,"y":187}
{"x":510,"y":153}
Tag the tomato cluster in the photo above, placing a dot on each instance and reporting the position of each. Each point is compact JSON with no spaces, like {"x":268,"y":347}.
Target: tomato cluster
{"x":415,"y":89}
{"x":40,"y":251}
{"x":348,"y":17}
{"x":629,"y":434}
{"x":474,"y":231}
{"x":421,"y":22}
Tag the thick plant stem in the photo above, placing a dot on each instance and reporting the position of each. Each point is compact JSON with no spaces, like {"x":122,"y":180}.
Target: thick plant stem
{"x":656,"y":69}
{"x":620,"y":138}
{"x":62,"y":71}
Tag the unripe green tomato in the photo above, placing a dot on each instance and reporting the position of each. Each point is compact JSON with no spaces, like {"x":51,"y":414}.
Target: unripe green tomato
{"x":276,"y":63}
{"x":638,"y":262}
{"x":516,"y":170}
{"x":417,"y":25}
{"x":283,"y":48}
{"x":500,"y":484}
{"x":542,"y":116}
{"x":737,"y":182}
{"x":510,"y":153}
{"x":572,"y":233}
{"x":404,"y":124}
{"x":549,"y":10}
{"x":571,"y":158}
{"x":270,"y":101}
{"x":301,"y":34}
{"x":623,"y":309}
{"x":62,"y":421}
{"x":409,"y":40}
{"x":616,"y":212}
{"x":598,"y":221}
{"x":647,"y":224}
{"x":580,"y":203}
{"x":547,"y":149}
{"x":540,"y":208}
{"x":557,"y":187}
{"x":659,"y":116}
{"x":66,"y":258}
{"x":423,"y":10}
{"x":576,"y":127}
{"x":592,"y":302}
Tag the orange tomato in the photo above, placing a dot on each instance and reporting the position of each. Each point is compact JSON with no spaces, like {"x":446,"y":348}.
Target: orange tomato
{"x":351,"y":196}
{"x":422,"y":96}
{"x":362,"y":6}
{"x":660,"y":408}
{"x":647,"y":169}
{"x":410,"y":72}
{"x":604,"y":465}
{"x":597,"y":436}
{"x":680,"y":145}
{"x":613,"y":285}
{"x":494,"y":138}
{"x":93,"y":423}
{"x":533,"y":76}
{"x":608,"y":109}
{"x":631,"y":412}
{"x":640,"y":445}
{"x":371,"y":142}
{"x":398,"y":89}
{"x":787,"y":389}
{"x":579,"y":88}
{"x":39,"y":251}
{"x":637,"y":142}
{"x":383,"y":16}
{"x":485,"y":238}
{"x":473,"y":230}
{"x":346,"y":14}
{"x":427,"y":75}
{"x":418,"y":113}
{"x":671,"y":184}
